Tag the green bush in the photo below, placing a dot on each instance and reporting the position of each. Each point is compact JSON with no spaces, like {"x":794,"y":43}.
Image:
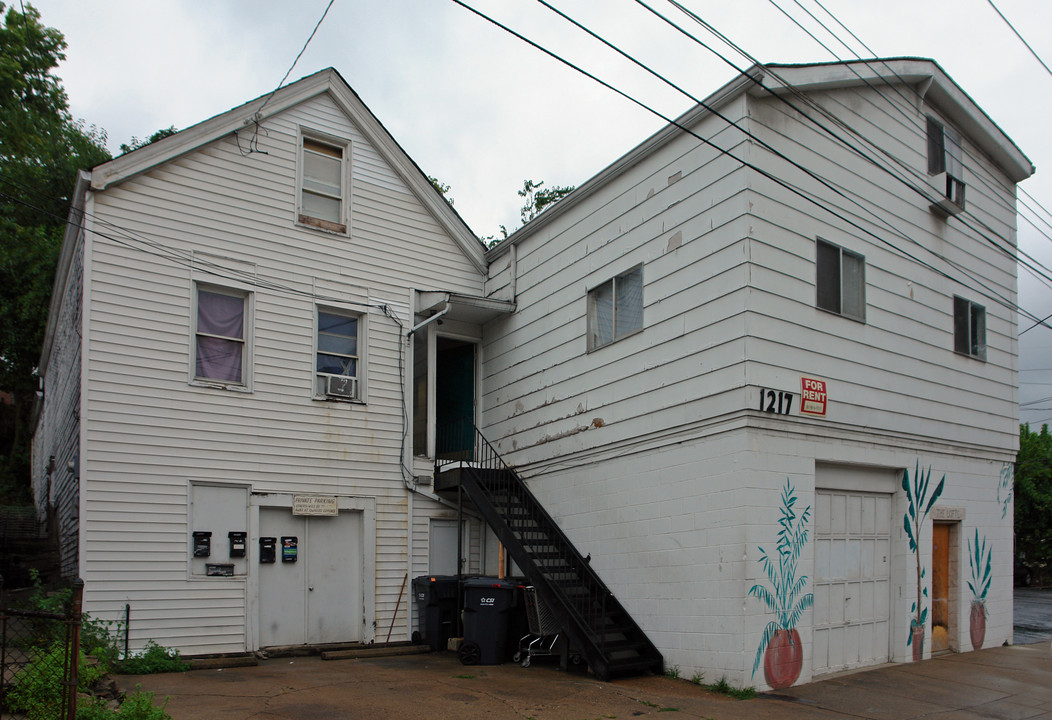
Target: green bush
{"x":153,"y":659}
{"x":38,"y":689}
{"x":136,"y":706}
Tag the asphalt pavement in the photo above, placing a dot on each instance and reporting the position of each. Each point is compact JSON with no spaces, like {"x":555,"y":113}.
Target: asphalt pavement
{"x":1033,"y":615}
{"x":1010,"y":682}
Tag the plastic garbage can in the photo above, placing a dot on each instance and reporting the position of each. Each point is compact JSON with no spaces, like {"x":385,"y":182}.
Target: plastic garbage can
{"x":487,"y":605}
{"x":436,"y":603}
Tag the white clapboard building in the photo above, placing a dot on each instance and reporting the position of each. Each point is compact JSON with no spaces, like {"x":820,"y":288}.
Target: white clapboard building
{"x":750,"y":393}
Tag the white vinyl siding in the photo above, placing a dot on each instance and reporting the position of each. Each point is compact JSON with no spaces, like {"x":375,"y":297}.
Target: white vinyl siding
{"x":149,"y":433}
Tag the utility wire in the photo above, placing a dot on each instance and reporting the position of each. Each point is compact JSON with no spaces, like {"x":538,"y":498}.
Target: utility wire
{"x":1032,"y":51}
{"x":298,"y":56}
{"x":186,"y":259}
{"x":993,"y":295}
{"x":880,"y":220}
{"x":1034,"y":266}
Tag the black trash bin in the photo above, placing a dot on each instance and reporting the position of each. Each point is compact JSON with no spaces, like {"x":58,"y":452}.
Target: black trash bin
{"x":488,"y":602}
{"x":436,"y":604}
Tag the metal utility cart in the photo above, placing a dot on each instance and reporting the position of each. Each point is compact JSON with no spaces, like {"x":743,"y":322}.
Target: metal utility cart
{"x":544,"y":629}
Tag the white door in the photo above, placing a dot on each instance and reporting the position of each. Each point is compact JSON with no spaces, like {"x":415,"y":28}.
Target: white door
{"x":318,"y":597}
{"x":852,"y":586}
{"x":442,"y":547}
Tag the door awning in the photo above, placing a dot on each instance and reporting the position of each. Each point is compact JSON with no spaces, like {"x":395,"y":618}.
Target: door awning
{"x":464,"y":308}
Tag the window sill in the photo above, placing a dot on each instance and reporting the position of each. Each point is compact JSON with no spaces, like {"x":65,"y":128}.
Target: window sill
{"x":860,"y":320}
{"x":218,"y":385}
{"x":344,"y":401}
{"x":980,"y":358}
{"x":616,"y":340}
{"x":324,"y":225}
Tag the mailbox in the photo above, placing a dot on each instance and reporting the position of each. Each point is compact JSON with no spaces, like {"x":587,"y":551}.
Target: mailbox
{"x":237,"y":544}
{"x":267,"y":549}
{"x":202,"y":543}
{"x":289,"y":549}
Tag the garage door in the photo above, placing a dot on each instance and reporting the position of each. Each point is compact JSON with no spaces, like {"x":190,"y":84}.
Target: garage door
{"x":852,"y":587}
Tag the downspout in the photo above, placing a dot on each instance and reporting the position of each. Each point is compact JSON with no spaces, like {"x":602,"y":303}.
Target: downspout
{"x":513,"y":268}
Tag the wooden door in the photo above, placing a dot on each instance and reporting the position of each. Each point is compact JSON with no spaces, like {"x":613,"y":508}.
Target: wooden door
{"x":940,"y":587}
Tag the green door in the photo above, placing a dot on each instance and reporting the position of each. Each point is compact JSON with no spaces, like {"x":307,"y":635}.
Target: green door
{"x":455,"y":398}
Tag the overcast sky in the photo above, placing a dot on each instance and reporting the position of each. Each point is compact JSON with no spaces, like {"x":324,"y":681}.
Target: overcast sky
{"x":483,"y":111}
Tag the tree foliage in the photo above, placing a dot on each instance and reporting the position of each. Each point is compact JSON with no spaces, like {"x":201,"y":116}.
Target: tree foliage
{"x":1033,"y":494}
{"x":135,"y":143}
{"x":41,"y":149}
{"x":538,"y":197}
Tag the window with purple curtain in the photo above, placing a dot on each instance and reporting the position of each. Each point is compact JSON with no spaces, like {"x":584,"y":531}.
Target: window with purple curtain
{"x":220,"y":338}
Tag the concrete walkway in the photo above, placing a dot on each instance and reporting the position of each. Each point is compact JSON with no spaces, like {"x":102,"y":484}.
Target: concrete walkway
{"x":1007,"y":682}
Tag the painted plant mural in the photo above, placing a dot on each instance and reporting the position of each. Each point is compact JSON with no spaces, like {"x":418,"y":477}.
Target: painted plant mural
{"x":919,"y":505}
{"x":980,"y":561}
{"x":1004,"y":488}
{"x":780,"y":648}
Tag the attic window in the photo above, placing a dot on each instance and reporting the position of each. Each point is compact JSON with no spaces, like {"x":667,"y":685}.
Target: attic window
{"x":322,"y":187}
{"x":946,"y":160}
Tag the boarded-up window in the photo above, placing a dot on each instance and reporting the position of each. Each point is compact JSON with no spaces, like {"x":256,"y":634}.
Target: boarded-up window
{"x":615,"y":308}
{"x":969,"y":328}
{"x":322,"y":186}
{"x":840,"y":280}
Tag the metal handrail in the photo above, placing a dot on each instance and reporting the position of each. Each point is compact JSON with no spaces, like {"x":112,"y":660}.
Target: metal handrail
{"x":567,"y":576}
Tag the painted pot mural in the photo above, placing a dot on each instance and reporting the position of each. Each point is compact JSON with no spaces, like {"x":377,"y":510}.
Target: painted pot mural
{"x":783,"y":659}
{"x":780,"y":648}
{"x":918,"y":507}
{"x":980,"y":561}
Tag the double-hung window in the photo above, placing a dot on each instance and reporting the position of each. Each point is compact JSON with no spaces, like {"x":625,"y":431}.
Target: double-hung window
{"x":338,"y":357}
{"x":840,"y":280}
{"x":946,"y":160}
{"x":220,"y":348}
{"x":969,"y":328}
{"x":323,"y":192}
{"x":615,"y":308}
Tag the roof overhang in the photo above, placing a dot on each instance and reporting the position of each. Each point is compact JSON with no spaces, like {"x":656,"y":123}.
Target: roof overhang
{"x":246,"y":117}
{"x":931,"y":84}
{"x":463,"y":308}
{"x":922,"y":74}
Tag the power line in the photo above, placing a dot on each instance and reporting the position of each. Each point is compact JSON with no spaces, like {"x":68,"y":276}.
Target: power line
{"x":1034,"y":266}
{"x":298,"y":56}
{"x":183,"y":258}
{"x":1010,"y":25}
{"x":991,"y":294}
{"x":881,"y":220}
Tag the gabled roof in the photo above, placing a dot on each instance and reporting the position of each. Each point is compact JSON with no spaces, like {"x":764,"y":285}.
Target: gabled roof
{"x":924,"y":75}
{"x":257,"y":111}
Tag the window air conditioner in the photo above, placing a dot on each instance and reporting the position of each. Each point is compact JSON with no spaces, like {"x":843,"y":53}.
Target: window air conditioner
{"x":952,"y":200}
{"x":340,"y":386}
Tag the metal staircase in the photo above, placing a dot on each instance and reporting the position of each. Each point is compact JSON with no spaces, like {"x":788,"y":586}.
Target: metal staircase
{"x":597,"y":625}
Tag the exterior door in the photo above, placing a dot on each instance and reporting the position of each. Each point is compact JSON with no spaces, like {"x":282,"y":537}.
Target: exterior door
{"x":940,"y":587}
{"x":316,"y":598}
{"x":455,"y":398}
{"x":852,"y":585}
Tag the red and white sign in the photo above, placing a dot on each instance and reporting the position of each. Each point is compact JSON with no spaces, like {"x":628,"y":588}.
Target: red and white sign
{"x":813,"y":396}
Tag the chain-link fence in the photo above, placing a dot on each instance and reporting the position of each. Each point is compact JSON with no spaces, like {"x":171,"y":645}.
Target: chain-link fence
{"x":38,"y":658}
